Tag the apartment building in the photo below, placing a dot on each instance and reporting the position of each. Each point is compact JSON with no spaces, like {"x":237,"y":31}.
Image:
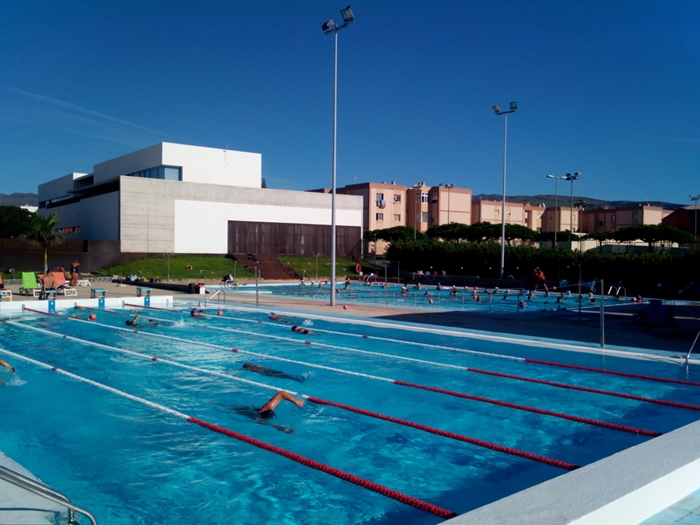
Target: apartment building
{"x":613,"y":219}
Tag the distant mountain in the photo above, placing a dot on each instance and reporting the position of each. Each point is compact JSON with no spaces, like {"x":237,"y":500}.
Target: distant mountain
{"x":19,"y":199}
{"x":548,"y":200}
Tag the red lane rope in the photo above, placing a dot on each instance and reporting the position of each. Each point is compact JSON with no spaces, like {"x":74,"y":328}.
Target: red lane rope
{"x":625,"y":374}
{"x":452,"y":435}
{"x":578,"y":419}
{"x":380,"y":489}
{"x":40,"y":312}
{"x":585,"y":389}
{"x":152,"y":307}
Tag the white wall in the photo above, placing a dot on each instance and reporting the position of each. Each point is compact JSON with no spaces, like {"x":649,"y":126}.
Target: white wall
{"x":58,"y":187}
{"x":201,"y":165}
{"x":202,"y":227}
{"x":215,"y":166}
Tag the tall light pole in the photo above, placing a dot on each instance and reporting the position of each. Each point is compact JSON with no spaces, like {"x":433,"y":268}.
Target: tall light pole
{"x":497,"y":110}
{"x":696,"y":198}
{"x":449,"y":187}
{"x":556,"y":205}
{"x":328,"y":28}
{"x":572,"y":178}
{"x":416,"y":189}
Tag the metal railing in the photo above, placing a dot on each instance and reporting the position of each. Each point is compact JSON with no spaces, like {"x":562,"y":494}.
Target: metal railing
{"x":691,"y":348}
{"x":42,"y":490}
{"x":219,"y":294}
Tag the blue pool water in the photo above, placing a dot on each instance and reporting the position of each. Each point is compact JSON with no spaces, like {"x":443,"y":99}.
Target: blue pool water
{"x":503,"y":301}
{"x":132,"y":464}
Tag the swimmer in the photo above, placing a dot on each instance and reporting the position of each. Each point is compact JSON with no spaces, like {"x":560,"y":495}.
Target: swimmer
{"x":132,"y":322}
{"x":417,"y":286}
{"x":347,"y":282}
{"x":8,"y":366}
{"x":479,"y":299}
{"x":155,"y":323}
{"x":274,"y":317}
{"x":267,"y":411}
{"x":198,"y":312}
{"x":271,"y":373}
{"x":522,"y":304}
{"x":301,"y":330}
{"x":453,"y":291}
{"x":404,"y":290}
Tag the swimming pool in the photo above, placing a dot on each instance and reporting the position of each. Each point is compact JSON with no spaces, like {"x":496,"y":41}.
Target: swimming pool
{"x":129,"y":462}
{"x":428,"y":297}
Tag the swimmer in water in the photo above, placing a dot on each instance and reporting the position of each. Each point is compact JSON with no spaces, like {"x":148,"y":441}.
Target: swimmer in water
{"x":271,"y":373}
{"x":156,"y":323}
{"x":274,"y":317}
{"x":9,"y":367}
{"x":132,"y":322}
{"x":198,"y":312}
{"x":267,"y":411}
{"x":301,"y":330}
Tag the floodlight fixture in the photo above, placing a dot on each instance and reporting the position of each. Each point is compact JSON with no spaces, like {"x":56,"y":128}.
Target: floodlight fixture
{"x":347,"y":14}
{"x":328,"y":25}
{"x":496,"y":109}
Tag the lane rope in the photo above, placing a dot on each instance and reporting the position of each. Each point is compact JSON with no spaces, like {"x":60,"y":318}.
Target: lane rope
{"x":612,"y":426}
{"x":424,"y":428}
{"x":380,"y":489}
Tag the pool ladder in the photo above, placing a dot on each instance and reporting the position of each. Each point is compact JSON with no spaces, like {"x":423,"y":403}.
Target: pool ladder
{"x":42,"y":490}
{"x":219,"y":294}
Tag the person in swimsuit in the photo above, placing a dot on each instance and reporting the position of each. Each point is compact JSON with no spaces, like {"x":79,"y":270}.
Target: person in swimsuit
{"x":132,"y":322}
{"x":197,"y":313}
{"x":274,"y":317}
{"x":301,"y":330}
{"x":8,"y":366}
{"x":271,"y":373}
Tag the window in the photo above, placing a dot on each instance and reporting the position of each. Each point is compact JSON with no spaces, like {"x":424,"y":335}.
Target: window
{"x":380,"y":216}
{"x":380,"y":196}
{"x":424,"y":197}
{"x":160,"y":172}
{"x":397,"y":198}
{"x":397,"y":217}
{"x":424,"y":216}
{"x":635,"y":215}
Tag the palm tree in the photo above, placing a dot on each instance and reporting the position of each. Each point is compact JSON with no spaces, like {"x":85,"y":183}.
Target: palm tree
{"x":42,"y":231}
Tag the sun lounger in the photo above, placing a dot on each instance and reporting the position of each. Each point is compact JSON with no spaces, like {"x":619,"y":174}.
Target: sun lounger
{"x":29,"y":284}
{"x":61,"y":285}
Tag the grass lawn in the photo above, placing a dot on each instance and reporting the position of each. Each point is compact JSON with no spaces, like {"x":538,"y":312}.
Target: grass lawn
{"x":214,"y":267}
{"x":343,"y":266}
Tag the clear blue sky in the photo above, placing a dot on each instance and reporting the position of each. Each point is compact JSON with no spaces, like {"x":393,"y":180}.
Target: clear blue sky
{"x":607,"y":88}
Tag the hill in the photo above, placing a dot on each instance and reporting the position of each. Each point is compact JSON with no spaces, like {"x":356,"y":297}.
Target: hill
{"x":548,"y":200}
{"x":19,"y":199}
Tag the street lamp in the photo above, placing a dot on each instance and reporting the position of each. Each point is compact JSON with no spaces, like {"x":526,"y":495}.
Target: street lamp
{"x":497,"y":110}
{"x":696,"y":198}
{"x":328,"y":28}
{"x":449,"y":187}
{"x":556,"y":205}
{"x":572,"y":178}
{"x":417,"y":188}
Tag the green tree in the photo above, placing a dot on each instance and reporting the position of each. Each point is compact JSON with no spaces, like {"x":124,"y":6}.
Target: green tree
{"x":14,"y":221}
{"x":653,"y":233}
{"x":42,"y":231}
{"x":599,"y":237}
{"x":517,"y":231}
{"x":393,"y":234}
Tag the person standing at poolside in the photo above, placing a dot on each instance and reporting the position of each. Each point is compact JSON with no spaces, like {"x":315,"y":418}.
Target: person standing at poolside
{"x":74,"y":272}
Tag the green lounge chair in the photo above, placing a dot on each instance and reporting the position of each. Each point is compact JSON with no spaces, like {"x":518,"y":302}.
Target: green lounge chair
{"x":29,"y":284}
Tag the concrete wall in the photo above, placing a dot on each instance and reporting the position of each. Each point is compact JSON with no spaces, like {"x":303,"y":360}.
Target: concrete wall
{"x":97,"y":217}
{"x":167,"y":216}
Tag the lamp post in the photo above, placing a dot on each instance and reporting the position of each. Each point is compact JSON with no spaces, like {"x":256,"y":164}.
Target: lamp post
{"x":449,"y":187}
{"x":696,"y":198}
{"x":328,"y":28}
{"x":556,"y":205}
{"x":497,"y":110}
{"x":572,"y":178}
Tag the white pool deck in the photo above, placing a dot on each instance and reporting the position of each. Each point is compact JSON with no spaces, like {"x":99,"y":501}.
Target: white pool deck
{"x":654,"y":483}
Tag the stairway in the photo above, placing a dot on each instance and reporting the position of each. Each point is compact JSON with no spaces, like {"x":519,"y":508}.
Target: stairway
{"x":269,"y":266}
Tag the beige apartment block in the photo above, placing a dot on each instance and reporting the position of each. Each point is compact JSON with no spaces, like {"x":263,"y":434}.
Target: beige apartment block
{"x":490,"y":211}
{"x":613,"y":219}
{"x":561,"y":219}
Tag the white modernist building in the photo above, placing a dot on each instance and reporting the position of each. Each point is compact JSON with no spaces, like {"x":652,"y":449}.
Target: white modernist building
{"x":188,"y":199}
